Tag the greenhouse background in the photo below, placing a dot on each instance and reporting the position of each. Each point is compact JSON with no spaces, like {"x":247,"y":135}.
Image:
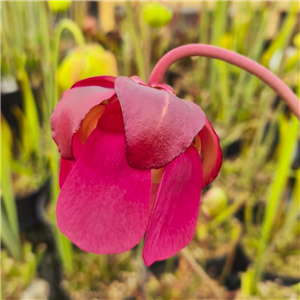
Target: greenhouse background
{"x":246,"y":244}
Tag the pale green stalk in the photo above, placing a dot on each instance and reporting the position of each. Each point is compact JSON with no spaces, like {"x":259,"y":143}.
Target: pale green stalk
{"x":9,"y":219}
{"x":281,"y":41}
{"x":10,"y":240}
{"x":244,"y":79}
{"x":201,"y":63}
{"x":247,"y":279}
{"x":69,"y":25}
{"x":125,"y":51}
{"x":200,"y":71}
{"x":31,"y":137}
{"x":145,"y":40}
{"x":47,"y":60}
{"x":15,"y":12}
{"x":219,"y":70}
{"x":138,"y":47}
{"x":286,"y":233}
{"x":275,"y":193}
{"x":64,"y":245}
{"x":254,"y":157}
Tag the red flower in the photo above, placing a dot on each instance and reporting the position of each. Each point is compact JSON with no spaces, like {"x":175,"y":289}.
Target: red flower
{"x":134,"y":161}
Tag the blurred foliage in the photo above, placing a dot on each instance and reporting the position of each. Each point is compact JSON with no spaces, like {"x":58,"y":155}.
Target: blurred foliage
{"x":15,"y":275}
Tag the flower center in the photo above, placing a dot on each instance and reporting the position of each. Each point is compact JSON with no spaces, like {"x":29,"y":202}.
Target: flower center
{"x":197,"y":143}
{"x":156,"y":175}
{"x":90,"y":121}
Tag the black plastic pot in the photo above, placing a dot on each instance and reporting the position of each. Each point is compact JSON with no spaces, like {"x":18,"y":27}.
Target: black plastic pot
{"x":283,"y":280}
{"x":11,"y":100}
{"x":257,"y":213}
{"x":50,"y":266}
{"x":31,"y":207}
{"x":37,"y":230}
{"x":214,"y":268}
{"x":168,"y":265}
{"x":8,"y":102}
{"x":233,"y":149}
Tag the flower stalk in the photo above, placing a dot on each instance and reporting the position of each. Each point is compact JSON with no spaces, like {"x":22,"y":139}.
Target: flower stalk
{"x":230,"y":57}
{"x":64,"y":245}
{"x":71,"y":26}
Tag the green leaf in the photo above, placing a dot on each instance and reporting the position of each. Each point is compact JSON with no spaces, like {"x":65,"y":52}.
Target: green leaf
{"x":7,"y":194}
{"x":9,"y":238}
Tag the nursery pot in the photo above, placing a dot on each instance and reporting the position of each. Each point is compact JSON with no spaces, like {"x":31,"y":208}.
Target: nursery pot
{"x":33,"y":222}
{"x":215,"y":266}
{"x":233,"y":149}
{"x":168,"y":265}
{"x":272,"y":276}
{"x":8,"y":102}
{"x":30,"y":208}
{"x":258,"y":211}
{"x":13,"y":99}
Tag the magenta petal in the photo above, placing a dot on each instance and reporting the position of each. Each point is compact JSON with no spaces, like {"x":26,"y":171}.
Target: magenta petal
{"x":211,"y":153}
{"x":71,"y":110}
{"x":175,"y":214}
{"x":77,"y":146}
{"x":138,"y":80}
{"x":64,"y":170}
{"x":158,"y":126}
{"x":67,"y":165}
{"x":103,"y":81}
{"x":164,"y":87}
{"x":104,"y":204}
{"x":112,"y":119}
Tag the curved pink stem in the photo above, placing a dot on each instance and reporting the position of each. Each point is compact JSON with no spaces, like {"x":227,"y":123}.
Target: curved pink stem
{"x":233,"y":58}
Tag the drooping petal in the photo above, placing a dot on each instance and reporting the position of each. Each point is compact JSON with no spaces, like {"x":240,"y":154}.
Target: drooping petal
{"x":103,"y":81}
{"x":112,"y":119}
{"x":158,"y":126}
{"x":67,"y":165}
{"x":71,"y":110}
{"x":175,"y":213}
{"x":77,"y":146}
{"x":211,"y":153}
{"x":138,"y":80}
{"x":65,"y":168}
{"x":89,"y":123}
{"x":165,"y":87}
{"x":104,"y":204}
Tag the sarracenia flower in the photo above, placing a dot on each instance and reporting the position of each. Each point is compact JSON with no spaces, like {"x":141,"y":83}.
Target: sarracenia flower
{"x":135,"y":158}
{"x":131,"y":164}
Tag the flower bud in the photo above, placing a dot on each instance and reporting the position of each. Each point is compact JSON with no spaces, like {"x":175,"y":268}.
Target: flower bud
{"x":227,"y":41}
{"x":86,"y":61}
{"x":214,"y":202}
{"x":156,"y":15}
{"x":59,"y":6}
{"x":296,"y":40}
